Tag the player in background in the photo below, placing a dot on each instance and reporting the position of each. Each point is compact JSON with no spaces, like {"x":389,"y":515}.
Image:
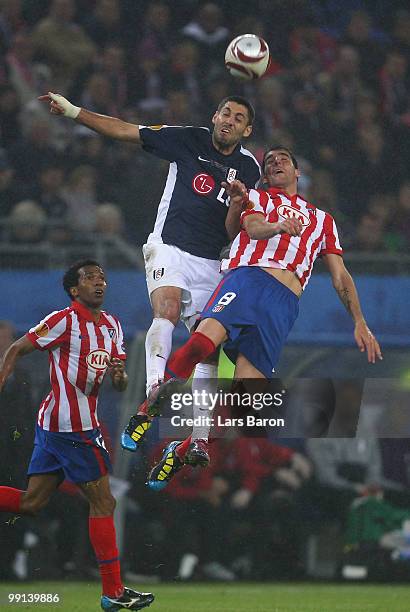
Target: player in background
{"x":256,"y":304}
{"x":83,"y":343}
{"x":193,"y":224}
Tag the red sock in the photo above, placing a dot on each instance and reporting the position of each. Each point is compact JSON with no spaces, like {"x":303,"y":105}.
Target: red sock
{"x":182,"y":362}
{"x":182,"y":448}
{"x":10,"y":499}
{"x":102,"y":537}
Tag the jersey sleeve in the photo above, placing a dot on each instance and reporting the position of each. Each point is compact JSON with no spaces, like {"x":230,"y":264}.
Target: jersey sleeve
{"x":164,"y":141}
{"x":50,"y":332}
{"x":259,"y":203}
{"x":330,"y":243}
{"x":118,"y":345}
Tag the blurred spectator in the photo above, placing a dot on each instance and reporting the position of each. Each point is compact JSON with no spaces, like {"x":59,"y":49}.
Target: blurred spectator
{"x":183,"y":72}
{"x":360,"y":35}
{"x":395,"y":89}
{"x":149,"y":64}
{"x":367,"y":112}
{"x":27,"y":222}
{"x":179,"y":109}
{"x":401,"y":220}
{"x":401,"y":32}
{"x":373,"y":151}
{"x":303,"y":76}
{"x":307,"y":38}
{"x":343,"y":85}
{"x":103,"y":25}
{"x":49,"y":192}
{"x":11,"y":22}
{"x":272,"y":113}
{"x":88,"y":148}
{"x":98,"y":95}
{"x":109,"y":220}
{"x":311,"y":130}
{"x":80,"y":194}
{"x":369,"y":235}
{"x":11,"y":191}
{"x":62,"y":43}
{"x":110,"y":64}
{"x":9,"y":115}
{"x":34,"y":151}
{"x":209,"y":33}
{"x":157,"y":39}
{"x":323,"y":193}
{"x":28,"y":77}
{"x":217,"y":89}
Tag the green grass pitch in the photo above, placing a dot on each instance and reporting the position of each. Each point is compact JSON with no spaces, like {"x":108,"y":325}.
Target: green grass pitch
{"x":241,"y":597}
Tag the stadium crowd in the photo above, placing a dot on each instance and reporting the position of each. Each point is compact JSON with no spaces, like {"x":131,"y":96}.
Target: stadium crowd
{"x":337,"y":92}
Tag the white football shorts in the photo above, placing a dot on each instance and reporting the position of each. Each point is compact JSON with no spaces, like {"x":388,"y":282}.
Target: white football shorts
{"x":169,"y":266}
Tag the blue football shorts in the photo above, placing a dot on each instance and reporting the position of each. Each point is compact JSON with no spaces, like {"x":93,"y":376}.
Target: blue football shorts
{"x":257,"y":311}
{"x":78,"y":456}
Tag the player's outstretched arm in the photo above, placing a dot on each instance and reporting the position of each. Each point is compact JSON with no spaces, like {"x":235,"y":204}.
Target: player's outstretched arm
{"x":347,"y":292}
{"x":20,"y":347}
{"x":104,"y":125}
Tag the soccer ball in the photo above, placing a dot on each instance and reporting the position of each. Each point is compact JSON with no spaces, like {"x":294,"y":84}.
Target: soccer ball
{"x":247,"y":56}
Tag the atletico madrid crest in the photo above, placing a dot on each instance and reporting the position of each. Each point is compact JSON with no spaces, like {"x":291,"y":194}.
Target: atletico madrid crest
{"x":218,"y":308}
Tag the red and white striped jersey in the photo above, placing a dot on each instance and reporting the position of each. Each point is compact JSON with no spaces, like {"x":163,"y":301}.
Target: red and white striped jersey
{"x":295,"y":253}
{"x":79,"y":350}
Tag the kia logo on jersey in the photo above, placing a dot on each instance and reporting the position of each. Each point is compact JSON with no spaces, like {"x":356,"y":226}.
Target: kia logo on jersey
{"x":288,"y":212}
{"x":203,"y":183}
{"x":98,"y":359}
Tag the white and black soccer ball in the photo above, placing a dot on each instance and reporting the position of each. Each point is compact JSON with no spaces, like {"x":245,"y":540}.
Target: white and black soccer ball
{"x":247,"y":56}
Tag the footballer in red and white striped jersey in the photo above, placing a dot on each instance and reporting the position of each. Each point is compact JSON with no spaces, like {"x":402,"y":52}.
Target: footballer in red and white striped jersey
{"x":294,"y":253}
{"x":80,"y":351}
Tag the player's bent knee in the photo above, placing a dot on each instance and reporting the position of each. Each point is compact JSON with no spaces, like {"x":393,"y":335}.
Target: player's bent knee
{"x":103,"y":507}
{"x":169,"y":310}
{"x":32,"y":504}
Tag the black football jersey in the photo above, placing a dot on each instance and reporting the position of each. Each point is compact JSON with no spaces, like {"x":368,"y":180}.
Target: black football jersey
{"x":193,"y":208}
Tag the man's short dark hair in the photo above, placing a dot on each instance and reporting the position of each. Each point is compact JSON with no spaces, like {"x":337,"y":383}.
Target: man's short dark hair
{"x":243,"y":102}
{"x":72,"y":277}
{"x":279,"y":148}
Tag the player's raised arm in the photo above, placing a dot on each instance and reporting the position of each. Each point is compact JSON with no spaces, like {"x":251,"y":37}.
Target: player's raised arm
{"x":20,"y":347}
{"x":104,"y":125}
{"x":346,"y":290}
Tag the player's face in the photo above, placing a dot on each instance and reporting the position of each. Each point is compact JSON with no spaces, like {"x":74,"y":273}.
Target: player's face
{"x":91,"y":286}
{"x":230,"y":125}
{"x":280,"y":171}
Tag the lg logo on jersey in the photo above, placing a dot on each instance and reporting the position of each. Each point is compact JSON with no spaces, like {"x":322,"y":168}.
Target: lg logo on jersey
{"x":203,"y":183}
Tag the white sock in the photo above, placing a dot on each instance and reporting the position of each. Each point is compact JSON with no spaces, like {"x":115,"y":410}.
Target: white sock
{"x":205,"y":379}
{"x":158,"y":345}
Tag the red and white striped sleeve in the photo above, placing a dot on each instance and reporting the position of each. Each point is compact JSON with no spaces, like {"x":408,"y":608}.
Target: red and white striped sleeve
{"x":50,"y":332}
{"x":119,"y":342}
{"x":259,"y":203}
{"x":330,"y":243}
